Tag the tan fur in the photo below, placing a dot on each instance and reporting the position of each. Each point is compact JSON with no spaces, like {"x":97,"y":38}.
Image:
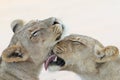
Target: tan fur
{"x":31,"y":42}
{"x":88,"y":58}
{"x":14,"y":48}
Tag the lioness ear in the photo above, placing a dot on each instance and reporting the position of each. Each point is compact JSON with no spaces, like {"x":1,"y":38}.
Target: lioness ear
{"x":15,"y":53}
{"x":106,"y":54}
{"x":16,"y":25}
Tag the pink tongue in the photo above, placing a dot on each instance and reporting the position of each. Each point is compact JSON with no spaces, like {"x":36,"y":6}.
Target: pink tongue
{"x":49,"y":59}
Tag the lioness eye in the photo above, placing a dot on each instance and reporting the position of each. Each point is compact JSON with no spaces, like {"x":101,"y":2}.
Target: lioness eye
{"x":78,"y":43}
{"x":35,"y":33}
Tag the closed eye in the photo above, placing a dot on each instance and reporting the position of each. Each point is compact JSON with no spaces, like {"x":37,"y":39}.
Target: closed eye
{"x":78,"y":43}
{"x":34,"y":34}
{"x":37,"y":32}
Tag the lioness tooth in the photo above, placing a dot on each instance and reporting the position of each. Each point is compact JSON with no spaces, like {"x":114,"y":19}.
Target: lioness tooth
{"x":55,"y":59}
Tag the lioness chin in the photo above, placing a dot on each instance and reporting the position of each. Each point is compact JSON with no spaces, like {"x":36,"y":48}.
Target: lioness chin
{"x":29,"y":47}
{"x":85,"y":56}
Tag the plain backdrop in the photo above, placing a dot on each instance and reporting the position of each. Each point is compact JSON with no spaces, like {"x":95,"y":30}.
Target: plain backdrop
{"x":99,"y":19}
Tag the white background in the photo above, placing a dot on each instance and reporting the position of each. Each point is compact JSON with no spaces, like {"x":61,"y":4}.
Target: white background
{"x":99,"y":19}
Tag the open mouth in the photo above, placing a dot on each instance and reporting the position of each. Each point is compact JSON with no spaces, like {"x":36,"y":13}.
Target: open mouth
{"x":53,"y":60}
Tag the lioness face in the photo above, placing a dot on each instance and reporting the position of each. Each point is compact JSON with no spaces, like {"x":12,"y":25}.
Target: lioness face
{"x":36,"y":37}
{"x":79,"y":54}
{"x":67,"y":53}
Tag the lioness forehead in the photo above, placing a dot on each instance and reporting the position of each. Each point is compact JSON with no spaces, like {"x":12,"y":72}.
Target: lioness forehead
{"x":83,"y":39}
{"x":33,"y":24}
{"x":37,"y":23}
{"x":25,"y":29}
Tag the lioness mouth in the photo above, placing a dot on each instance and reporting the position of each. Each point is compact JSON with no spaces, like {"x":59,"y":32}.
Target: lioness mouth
{"x":54,"y":60}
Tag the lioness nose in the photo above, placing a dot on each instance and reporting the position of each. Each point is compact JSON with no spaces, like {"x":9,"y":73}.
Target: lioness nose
{"x":53,"y":21}
{"x":57,"y":21}
{"x":50,"y":21}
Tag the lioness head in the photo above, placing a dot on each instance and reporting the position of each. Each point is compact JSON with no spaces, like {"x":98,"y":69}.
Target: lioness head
{"x":32,"y":41}
{"x":80,"y":54}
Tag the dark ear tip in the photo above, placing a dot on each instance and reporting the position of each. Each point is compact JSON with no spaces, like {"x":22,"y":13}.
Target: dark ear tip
{"x":16,"y":24}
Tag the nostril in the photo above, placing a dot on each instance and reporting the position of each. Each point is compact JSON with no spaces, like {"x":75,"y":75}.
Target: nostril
{"x":55,"y":22}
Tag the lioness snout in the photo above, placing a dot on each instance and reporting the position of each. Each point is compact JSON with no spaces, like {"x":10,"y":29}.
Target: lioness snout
{"x":57,"y":21}
{"x":54,"y":21}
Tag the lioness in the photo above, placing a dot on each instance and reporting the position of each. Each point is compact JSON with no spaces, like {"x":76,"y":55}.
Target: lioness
{"x":85,"y":56}
{"x":30,"y":44}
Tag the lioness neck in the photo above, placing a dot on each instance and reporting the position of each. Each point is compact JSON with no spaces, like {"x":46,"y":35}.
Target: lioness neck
{"x":108,"y":71}
{"x":19,"y":71}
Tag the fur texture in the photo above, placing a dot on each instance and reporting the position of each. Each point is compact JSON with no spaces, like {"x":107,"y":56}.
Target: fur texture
{"x":30,"y":45}
{"x":87,"y":57}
